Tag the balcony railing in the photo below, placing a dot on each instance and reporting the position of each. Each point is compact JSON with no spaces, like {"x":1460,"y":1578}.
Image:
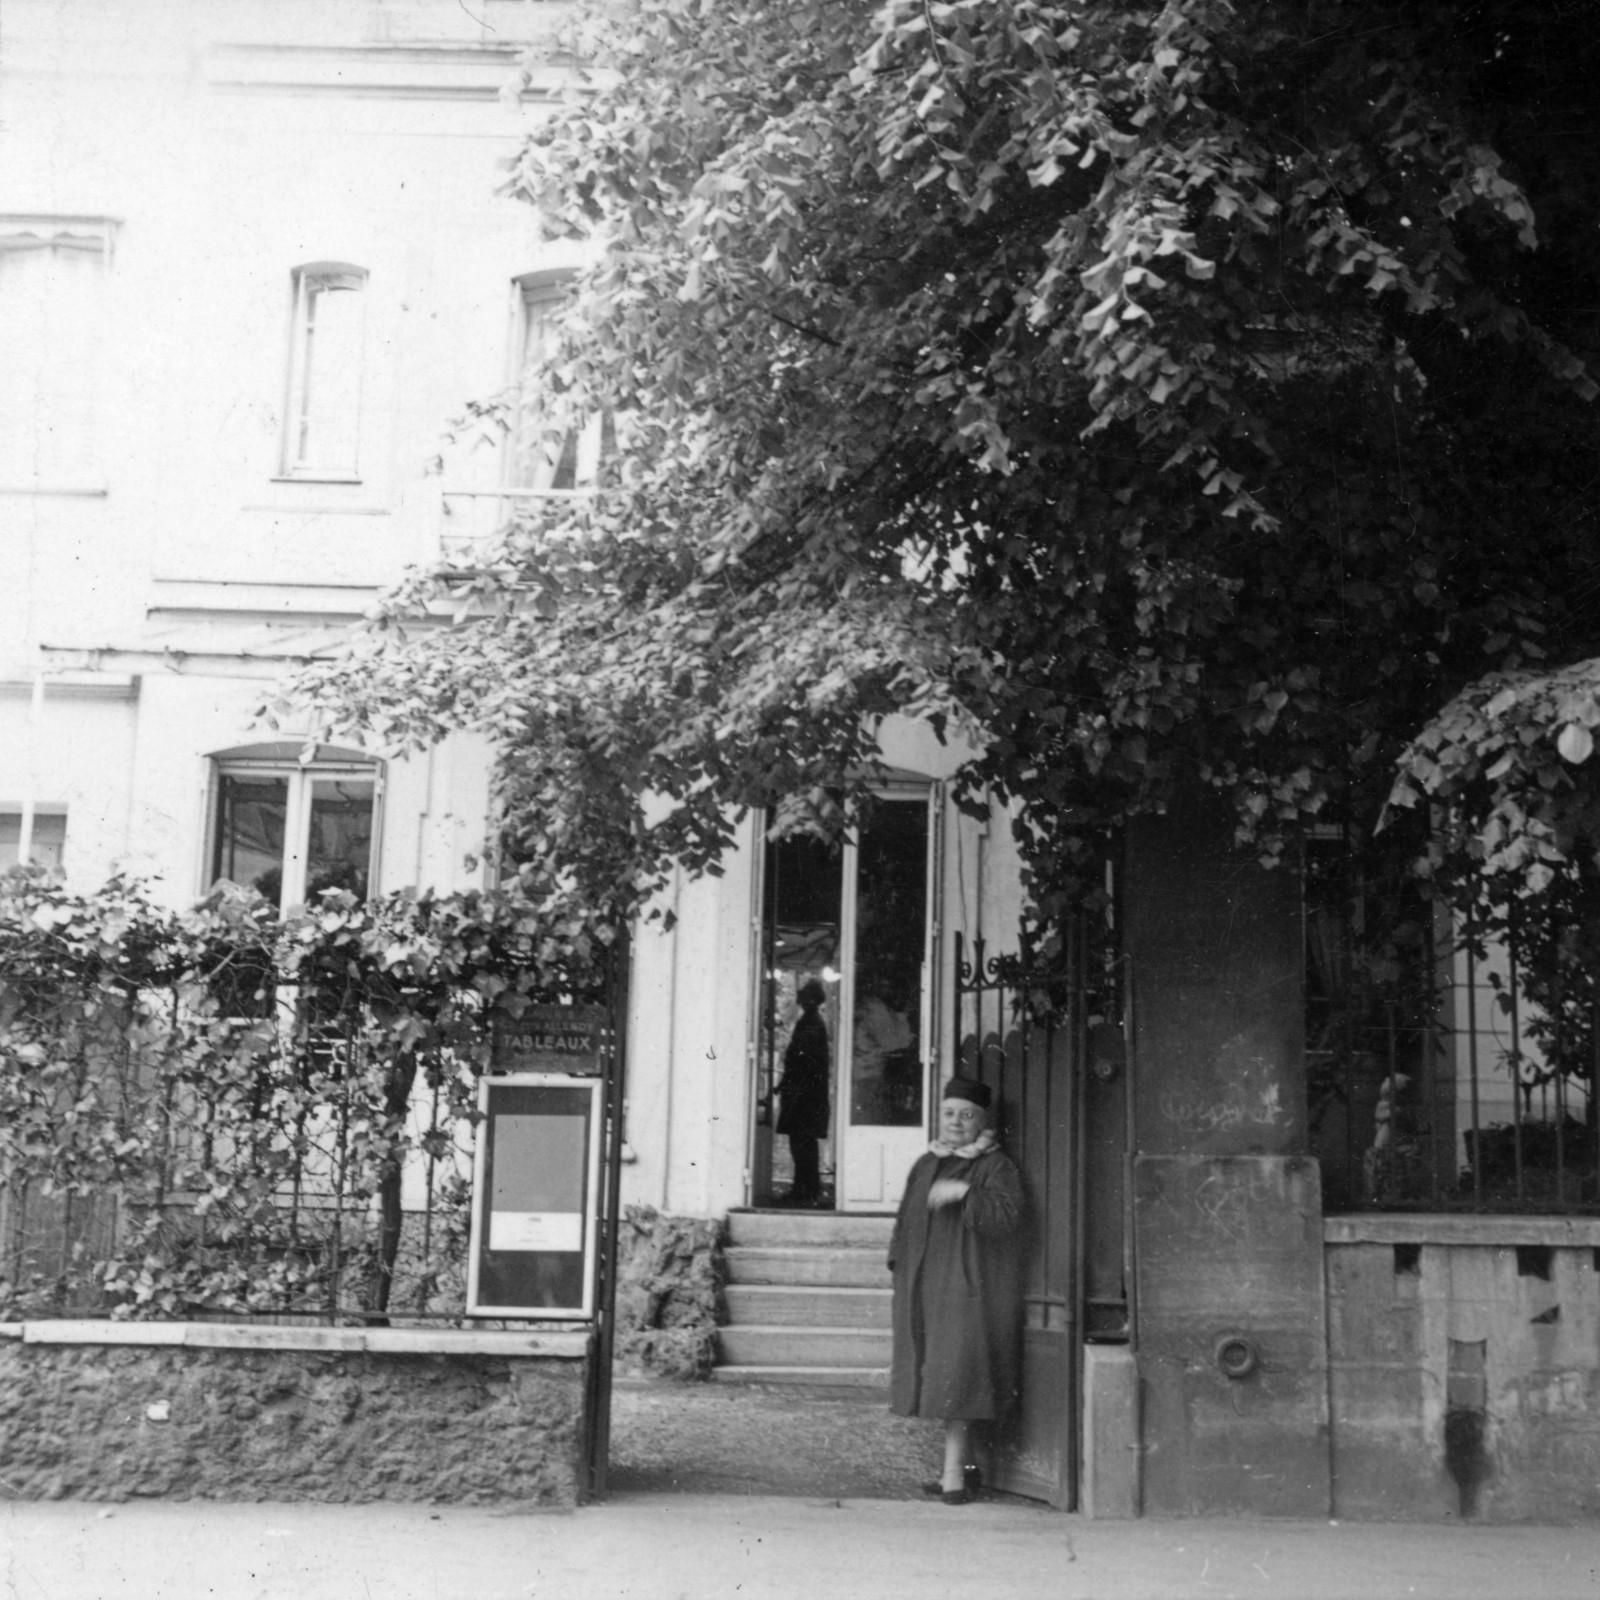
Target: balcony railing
{"x":470,"y":518}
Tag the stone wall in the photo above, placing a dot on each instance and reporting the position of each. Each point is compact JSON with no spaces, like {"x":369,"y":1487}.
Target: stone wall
{"x":1464,"y":1361}
{"x":669,"y":1293}
{"x":1227,"y":1210}
{"x":98,"y":1411}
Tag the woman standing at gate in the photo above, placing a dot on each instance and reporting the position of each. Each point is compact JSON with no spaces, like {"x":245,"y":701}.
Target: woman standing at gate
{"x":955,"y":1257}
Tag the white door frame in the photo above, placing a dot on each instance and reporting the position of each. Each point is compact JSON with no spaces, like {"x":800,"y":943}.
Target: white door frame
{"x":870,"y":1162}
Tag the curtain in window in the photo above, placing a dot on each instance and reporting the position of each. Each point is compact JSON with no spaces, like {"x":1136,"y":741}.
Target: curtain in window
{"x":324,"y":414}
{"x":51,"y":288}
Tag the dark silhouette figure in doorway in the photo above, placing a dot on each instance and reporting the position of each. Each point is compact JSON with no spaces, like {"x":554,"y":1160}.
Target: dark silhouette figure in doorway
{"x":803,"y":1089}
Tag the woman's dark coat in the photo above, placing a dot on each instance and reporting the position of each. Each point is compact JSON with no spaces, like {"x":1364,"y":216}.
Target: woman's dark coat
{"x":803,"y":1089}
{"x":957,"y":1292}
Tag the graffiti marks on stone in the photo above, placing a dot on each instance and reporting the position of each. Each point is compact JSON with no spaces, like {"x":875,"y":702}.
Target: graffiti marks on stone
{"x":1232,"y":1204}
{"x":1240,"y":1094}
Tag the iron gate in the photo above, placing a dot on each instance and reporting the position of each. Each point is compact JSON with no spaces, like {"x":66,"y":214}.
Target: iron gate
{"x":1023,"y":1031}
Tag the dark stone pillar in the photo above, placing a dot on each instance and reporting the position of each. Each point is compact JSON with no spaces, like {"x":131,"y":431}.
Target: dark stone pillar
{"x":1231,"y":1338}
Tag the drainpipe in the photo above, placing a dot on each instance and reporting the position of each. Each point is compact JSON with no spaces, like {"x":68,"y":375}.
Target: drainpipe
{"x":1130,"y":1213}
{"x":31,"y":780}
{"x":670,"y":1033}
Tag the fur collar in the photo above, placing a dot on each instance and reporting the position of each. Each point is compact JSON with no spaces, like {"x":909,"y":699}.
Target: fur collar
{"x":981,"y":1146}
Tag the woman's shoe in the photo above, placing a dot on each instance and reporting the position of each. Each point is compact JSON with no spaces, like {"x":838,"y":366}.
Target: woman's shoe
{"x":971,"y":1488}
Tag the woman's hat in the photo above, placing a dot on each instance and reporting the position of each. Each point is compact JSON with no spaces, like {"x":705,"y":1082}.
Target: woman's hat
{"x":967,"y":1089}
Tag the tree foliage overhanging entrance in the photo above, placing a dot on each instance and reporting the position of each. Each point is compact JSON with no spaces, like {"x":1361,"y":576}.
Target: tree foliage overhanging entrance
{"x":1162,"y":393}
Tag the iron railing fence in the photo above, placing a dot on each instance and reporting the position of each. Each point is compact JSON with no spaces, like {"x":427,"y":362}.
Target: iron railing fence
{"x":1451,"y":1058}
{"x":282,"y":1166}
{"x":323,"y":1204}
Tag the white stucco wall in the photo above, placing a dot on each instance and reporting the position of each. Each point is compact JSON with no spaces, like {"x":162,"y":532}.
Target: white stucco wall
{"x":689,"y":1070}
{"x":224,"y":143}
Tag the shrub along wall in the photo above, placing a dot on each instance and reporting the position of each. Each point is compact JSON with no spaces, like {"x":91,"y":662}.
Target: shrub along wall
{"x":669,"y":1292}
{"x":169,"y":1087}
{"x":212,"y":1112}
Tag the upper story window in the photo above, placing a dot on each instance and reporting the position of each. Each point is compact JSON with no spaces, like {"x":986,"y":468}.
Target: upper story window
{"x":322,"y":414}
{"x":52,"y":316}
{"x":291,"y":829}
{"x":541,"y":457}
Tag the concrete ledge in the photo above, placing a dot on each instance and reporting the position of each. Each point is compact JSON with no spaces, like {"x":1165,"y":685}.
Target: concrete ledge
{"x":547,"y":1346}
{"x":90,"y":1332}
{"x":573,"y":1346}
{"x":1502,"y":1232}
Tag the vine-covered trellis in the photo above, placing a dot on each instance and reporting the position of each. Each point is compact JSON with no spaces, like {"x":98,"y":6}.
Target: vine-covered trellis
{"x":224,"y":1112}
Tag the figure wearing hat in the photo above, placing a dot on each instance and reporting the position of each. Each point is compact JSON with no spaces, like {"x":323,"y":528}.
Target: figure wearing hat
{"x":956,"y":1260}
{"x":803,"y":1091}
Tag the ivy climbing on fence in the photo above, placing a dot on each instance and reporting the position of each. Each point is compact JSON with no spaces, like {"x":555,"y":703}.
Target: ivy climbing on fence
{"x":221,"y":1111}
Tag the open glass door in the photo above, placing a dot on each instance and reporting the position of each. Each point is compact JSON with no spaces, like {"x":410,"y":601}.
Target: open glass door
{"x":852,"y":920}
{"x":797,"y":945}
{"x":883,"y":1088}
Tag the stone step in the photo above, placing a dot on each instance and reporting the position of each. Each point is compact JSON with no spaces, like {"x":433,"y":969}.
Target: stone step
{"x":843,"y":1267}
{"x":808,"y":1306}
{"x":748,"y":1345}
{"x":810,"y":1228}
{"x":865,"y":1381}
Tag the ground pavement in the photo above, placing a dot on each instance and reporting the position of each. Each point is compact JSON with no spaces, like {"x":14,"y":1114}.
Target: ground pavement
{"x":758,"y":1547}
{"x":765,"y":1495}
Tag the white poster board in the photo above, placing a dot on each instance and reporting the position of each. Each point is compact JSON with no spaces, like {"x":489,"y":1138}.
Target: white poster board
{"x":536,"y":1184}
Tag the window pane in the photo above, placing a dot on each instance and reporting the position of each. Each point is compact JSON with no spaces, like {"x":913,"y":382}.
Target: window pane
{"x":49,"y":839}
{"x":325,"y":400}
{"x":891,"y":920}
{"x":251,"y":815}
{"x":339,"y":851}
{"x":801,"y":911}
{"x":574,"y":459}
{"x":536,"y":462}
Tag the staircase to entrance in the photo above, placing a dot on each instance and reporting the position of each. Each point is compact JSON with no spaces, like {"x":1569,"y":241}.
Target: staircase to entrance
{"x":808,"y":1296}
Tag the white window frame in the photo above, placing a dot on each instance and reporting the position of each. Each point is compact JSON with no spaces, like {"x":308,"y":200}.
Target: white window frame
{"x":905,"y":789}
{"x":537,"y":295}
{"x":281,"y":760}
{"x":79,"y":467}
{"x":304,"y":452}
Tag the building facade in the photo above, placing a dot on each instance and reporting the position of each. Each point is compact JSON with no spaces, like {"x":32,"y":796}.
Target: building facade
{"x":253,"y":272}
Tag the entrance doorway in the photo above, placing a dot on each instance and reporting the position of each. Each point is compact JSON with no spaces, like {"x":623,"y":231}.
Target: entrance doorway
{"x":846,"y":926}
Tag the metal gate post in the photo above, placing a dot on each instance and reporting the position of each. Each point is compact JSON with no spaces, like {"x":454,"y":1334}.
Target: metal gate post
{"x":602,"y":1345}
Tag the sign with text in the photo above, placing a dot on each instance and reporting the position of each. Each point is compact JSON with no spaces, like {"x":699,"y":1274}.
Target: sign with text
{"x":569,"y":1039}
{"x":534,"y":1202}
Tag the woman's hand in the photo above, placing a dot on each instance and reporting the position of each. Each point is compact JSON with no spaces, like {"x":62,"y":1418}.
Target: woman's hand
{"x":947,"y":1192}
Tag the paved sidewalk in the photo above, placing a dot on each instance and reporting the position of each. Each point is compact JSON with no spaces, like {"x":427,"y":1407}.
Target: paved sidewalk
{"x":704,"y":1547}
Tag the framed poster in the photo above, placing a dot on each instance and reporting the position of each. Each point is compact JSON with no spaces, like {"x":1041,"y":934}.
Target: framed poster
{"x":536,"y":1180}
